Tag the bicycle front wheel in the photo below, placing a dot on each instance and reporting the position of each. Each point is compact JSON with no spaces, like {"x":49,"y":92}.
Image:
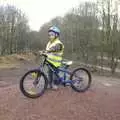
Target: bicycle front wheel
{"x":33,"y":84}
{"x":81,"y":79}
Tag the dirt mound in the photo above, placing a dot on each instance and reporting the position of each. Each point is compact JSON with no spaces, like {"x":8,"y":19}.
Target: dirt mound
{"x":11,"y":61}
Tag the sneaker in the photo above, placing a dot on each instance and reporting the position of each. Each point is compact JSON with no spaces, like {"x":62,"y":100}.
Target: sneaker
{"x":49,"y":86}
{"x":54,"y":87}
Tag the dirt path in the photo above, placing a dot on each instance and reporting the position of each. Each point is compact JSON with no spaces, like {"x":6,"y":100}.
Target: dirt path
{"x":101,"y":102}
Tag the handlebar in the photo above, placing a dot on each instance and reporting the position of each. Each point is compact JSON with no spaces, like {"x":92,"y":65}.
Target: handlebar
{"x":41,"y":53}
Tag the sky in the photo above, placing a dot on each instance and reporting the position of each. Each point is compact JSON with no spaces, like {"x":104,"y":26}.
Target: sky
{"x":42,"y":11}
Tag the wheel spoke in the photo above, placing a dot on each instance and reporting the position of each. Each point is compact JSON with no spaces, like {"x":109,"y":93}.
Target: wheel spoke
{"x":81,"y":79}
{"x":33,"y":84}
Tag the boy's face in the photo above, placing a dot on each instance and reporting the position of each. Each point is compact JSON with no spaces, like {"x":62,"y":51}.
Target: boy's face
{"x":51,"y":35}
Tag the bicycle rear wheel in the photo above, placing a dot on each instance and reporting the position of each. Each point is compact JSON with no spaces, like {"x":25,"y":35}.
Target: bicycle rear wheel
{"x":33,"y":84}
{"x":81,"y":79}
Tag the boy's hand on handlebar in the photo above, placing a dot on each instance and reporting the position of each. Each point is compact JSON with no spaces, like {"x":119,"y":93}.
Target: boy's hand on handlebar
{"x":42,"y":52}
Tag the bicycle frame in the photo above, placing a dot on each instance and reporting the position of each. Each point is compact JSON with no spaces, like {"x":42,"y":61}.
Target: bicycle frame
{"x":62,"y":69}
{"x":40,"y":73}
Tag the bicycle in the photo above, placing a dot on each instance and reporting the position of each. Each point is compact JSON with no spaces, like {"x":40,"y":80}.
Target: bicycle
{"x":40,"y":76}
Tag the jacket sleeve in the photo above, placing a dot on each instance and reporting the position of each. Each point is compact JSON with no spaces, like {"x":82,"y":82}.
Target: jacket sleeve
{"x":56,"y":48}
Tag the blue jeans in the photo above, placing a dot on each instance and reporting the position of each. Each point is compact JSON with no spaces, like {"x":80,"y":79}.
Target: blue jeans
{"x":52,"y":77}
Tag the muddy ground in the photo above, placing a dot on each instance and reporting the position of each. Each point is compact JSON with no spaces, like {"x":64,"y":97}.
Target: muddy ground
{"x":100,"y":102}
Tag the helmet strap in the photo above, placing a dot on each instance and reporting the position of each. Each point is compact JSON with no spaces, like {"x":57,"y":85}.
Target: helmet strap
{"x":56,"y":35}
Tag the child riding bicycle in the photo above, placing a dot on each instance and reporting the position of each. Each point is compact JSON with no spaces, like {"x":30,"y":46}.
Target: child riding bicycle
{"x":55,"y":49}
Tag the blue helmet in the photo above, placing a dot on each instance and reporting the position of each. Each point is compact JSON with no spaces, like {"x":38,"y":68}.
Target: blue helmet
{"x":54,"y":29}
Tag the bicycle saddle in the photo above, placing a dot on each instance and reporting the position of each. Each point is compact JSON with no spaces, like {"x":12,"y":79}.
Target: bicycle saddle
{"x":67,"y":62}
